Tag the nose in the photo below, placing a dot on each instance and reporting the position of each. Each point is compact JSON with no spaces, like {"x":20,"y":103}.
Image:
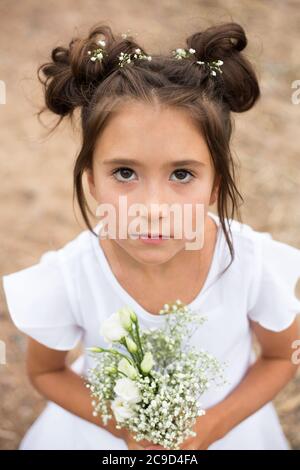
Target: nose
{"x":154,"y":205}
{"x":155,"y":199}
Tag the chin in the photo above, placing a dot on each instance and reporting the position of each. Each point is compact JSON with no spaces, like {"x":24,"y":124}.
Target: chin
{"x":152,"y":255}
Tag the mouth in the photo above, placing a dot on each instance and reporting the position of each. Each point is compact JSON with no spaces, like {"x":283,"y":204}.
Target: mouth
{"x":153,"y":236}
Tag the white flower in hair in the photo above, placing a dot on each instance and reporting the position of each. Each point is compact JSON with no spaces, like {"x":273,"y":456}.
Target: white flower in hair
{"x":181,"y":53}
{"x":126,"y":58}
{"x":214,"y":66}
{"x":98,"y":53}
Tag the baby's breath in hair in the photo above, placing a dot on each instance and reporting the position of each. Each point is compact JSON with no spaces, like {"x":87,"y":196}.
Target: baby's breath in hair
{"x":98,"y":54}
{"x":126,"y":58}
{"x":214,"y":66}
{"x":181,"y":53}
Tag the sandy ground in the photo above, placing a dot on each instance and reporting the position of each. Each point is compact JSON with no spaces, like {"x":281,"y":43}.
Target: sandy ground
{"x":36,"y":172}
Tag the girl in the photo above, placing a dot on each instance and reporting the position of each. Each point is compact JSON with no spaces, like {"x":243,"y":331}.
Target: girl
{"x":157,"y":130}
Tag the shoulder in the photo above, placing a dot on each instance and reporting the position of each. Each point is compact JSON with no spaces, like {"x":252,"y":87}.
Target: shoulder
{"x":260,"y":252}
{"x":247,"y":243}
{"x":76,"y":262}
{"x":245,"y":235}
{"x":260,"y":245}
{"x":73,"y":251}
{"x":52,"y":276}
{"x":273,"y":269}
{"x":72,"y":258}
{"x":42,"y":298}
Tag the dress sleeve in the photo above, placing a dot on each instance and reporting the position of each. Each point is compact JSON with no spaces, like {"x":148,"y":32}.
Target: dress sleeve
{"x":275,"y":304}
{"x":39,"y":303}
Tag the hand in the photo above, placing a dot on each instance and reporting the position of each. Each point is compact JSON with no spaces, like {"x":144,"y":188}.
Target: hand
{"x":206,"y":428}
{"x":141,"y":445}
{"x":128,"y":437}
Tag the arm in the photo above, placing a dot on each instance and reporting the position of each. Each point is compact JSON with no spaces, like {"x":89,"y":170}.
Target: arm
{"x":50,"y":376}
{"x":262,"y":382}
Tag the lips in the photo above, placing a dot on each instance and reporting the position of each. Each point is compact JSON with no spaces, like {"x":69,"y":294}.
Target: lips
{"x":155,"y":236}
{"x":148,"y":235}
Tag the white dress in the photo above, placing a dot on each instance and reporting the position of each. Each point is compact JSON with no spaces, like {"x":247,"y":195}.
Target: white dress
{"x":63,"y":299}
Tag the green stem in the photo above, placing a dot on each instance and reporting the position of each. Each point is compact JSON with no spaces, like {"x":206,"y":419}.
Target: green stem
{"x":139,"y":339}
{"x":113,"y":351}
{"x":133,"y":355}
{"x":138,"y":353}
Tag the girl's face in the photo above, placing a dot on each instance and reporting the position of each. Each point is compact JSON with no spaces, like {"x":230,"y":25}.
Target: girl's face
{"x":152,"y":155}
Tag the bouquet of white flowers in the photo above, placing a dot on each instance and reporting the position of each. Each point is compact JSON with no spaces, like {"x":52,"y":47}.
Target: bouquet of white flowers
{"x":152,"y":380}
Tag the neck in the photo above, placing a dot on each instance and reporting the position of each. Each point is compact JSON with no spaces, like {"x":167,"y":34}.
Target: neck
{"x":120,"y":257}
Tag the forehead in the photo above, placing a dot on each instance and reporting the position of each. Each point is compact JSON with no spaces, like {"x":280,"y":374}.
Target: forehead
{"x":142,"y":129}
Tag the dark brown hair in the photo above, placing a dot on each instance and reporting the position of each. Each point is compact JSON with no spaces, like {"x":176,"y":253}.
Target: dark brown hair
{"x":71,"y":80}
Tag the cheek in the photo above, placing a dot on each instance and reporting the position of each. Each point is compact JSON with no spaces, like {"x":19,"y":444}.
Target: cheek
{"x":199,"y":198}
{"x":105,"y":190}
{"x":200,"y":192}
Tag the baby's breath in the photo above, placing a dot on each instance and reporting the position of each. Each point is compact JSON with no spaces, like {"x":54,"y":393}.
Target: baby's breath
{"x":169,"y":395}
{"x":126,"y":58}
{"x":213,"y":66}
{"x":98,"y":54}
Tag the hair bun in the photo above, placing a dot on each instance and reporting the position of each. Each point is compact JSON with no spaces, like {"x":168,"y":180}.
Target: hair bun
{"x":225,"y":42}
{"x":70,"y":78}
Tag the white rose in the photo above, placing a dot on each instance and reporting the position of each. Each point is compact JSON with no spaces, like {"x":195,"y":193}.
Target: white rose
{"x":112,"y":329}
{"x":127,"y":369}
{"x":125,"y":318}
{"x":147,"y":363}
{"x":120,"y":409}
{"x":127,"y":390}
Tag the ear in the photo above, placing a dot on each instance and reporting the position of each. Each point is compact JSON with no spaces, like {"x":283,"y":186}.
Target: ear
{"x":91,"y":183}
{"x":215,"y":190}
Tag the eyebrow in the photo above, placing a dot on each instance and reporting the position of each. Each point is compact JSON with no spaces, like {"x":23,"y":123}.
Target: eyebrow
{"x":130,"y":161}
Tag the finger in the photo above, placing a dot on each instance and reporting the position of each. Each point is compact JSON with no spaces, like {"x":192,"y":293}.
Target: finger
{"x":190,"y":447}
{"x":145,"y":443}
{"x":135,"y":447}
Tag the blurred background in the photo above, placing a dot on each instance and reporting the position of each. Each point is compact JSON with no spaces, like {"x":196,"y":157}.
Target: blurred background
{"x":36,"y":170}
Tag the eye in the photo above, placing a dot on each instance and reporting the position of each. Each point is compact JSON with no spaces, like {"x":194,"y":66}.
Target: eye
{"x":123,"y":174}
{"x":182,"y":176}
